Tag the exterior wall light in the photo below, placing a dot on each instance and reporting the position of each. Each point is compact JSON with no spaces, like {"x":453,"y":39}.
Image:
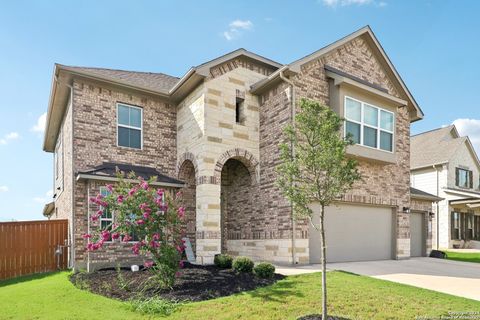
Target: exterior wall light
{"x":406,"y":209}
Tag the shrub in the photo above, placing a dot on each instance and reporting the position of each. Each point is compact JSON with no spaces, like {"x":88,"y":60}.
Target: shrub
{"x":153,"y":215}
{"x":264,"y":270}
{"x":153,"y":306}
{"x":242,"y":264}
{"x":223,"y":261}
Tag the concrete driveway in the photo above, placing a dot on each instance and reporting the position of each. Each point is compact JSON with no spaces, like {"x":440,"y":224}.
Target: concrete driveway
{"x":447,"y":276}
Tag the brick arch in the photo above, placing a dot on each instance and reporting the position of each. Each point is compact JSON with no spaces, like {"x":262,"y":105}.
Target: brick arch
{"x":242,"y":155}
{"x":190,"y":157}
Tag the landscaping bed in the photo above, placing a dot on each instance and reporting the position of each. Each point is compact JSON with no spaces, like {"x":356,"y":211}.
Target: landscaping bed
{"x":195,"y":283}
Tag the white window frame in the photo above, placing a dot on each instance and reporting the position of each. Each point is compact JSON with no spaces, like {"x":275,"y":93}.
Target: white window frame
{"x":130,"y":127}
{"x":363,"y":124}
{"x":111,"y":220}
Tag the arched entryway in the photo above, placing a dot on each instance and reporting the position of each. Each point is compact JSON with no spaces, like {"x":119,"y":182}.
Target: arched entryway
{"x":186,"y":173}
{"x":235,"y":202}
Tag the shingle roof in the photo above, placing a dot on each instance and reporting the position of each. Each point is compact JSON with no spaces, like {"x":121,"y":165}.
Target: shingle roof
{"x":424,"y":195}
{"x":109,"y":169}
{"x":433,"y":147}
{"x":155,"y":81}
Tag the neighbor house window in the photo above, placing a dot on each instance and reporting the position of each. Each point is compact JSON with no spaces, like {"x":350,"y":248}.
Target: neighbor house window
{"x":369,"y":125}
{"x":476,"y":227}
{"x":129,"y":126}
{"x":455,"y":226}
{"x":463,"y":178}
{"x":469,"y":227}
{"x":106,"y":220}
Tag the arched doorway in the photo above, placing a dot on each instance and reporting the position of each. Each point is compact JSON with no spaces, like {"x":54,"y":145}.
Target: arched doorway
{"x":236,"y":202}
{"x":186,"y":173}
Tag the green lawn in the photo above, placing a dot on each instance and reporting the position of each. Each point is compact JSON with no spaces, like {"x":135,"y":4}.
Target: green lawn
{"x":52,"y":296}
{"x":464,"y":256}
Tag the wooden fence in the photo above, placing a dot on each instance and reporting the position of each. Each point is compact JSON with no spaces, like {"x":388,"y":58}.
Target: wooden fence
{"x":28,"y":247}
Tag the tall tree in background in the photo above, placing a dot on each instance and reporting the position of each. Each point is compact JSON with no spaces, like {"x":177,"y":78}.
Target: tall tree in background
{"x":314,"y":168}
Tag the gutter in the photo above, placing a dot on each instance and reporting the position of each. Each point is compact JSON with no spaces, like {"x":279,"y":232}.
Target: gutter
{"x":294,"y":111}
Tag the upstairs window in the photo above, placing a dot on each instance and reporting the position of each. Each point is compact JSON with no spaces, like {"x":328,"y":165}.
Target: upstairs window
{"x":129,"y":126}
{"x":239,"y":111}
{"x":368,"y":125}
{"x":463,"y":178}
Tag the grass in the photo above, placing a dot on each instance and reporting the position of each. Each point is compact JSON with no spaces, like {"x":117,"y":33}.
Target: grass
{"x":52,"y":296}
{"x":464,"y":256}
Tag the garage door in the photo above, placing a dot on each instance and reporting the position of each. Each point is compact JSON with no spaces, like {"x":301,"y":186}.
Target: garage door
{"x":354,"y":233}
{"x":417,"y":239}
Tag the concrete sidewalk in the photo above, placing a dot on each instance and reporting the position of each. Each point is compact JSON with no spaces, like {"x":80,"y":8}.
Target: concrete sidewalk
{"x":453,"y":277}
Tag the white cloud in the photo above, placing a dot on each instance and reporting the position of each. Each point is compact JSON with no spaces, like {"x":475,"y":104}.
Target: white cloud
{"x":345,"y":3}
{"x":470,"y":128}
{"x":9,"y":137}
{"x":3,"y":189}
{"x":45,"y":199}
{"x":236,"y":29}
{"x":40,"y":125}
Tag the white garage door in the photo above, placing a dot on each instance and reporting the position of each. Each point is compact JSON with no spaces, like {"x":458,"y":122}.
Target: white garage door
{"x":354,"y":233}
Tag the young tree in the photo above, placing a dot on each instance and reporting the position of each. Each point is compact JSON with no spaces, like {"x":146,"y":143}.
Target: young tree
{"x":315,"y":169}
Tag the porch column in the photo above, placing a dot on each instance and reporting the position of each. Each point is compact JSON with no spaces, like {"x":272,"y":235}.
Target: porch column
{"x":208,"y":220}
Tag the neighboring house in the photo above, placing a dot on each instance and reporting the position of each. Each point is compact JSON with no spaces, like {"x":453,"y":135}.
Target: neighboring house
{"x":215,"y":133}
{"x":445,"y":164}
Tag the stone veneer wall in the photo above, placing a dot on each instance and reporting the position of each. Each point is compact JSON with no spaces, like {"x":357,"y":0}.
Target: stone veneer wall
{"x":94,"y":142}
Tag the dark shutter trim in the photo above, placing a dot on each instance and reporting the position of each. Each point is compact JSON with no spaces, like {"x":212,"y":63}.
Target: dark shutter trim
{"x":470,"y":179}
{"x":457,"y":176}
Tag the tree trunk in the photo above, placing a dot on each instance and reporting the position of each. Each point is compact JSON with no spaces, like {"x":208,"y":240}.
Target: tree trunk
{"x":324,"y":264}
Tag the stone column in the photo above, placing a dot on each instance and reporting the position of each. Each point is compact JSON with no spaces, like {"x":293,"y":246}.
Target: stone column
{"x":208,"y":221}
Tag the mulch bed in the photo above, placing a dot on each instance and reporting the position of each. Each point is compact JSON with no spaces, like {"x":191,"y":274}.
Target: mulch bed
{"x":196,"y":283}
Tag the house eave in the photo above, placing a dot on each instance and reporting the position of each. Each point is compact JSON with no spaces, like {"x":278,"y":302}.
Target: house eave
{"x":84,"y":176}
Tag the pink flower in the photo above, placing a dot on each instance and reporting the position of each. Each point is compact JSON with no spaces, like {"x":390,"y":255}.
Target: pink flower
{"x":180,"y":249}
{"x":146,"y":215}
{"x":105,"y":235}
{"x":136,"y":248}
{"x":126,"y":238}
{"x":160,"y":192}
{"x":148,"y":264}
{"x":178,"y":194}
{"x":109,"y":187}
{"x":154,"y":244}
{"x":86,"y":236}
{"x":140,"y":222}
{"x":156,"y":237}
{"x":99,"y":213}
{"x":144,"y":185}
{"x":181,"y":212}
{"x":94,"y":217}
{"x":115,"y":235}
{"x":132,"y":191}
{"x":120,"y":199}
{"x":181,"y":264}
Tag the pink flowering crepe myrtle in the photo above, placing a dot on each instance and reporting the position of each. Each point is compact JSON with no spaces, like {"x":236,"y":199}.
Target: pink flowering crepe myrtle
{"x":147,"y":215}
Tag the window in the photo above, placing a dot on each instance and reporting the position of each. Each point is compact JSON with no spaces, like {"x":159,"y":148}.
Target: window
{"x":469,"y":226}
{"x":129,"y":126}
{"x":239,"y":110}
{"x":455,"y":226}
{"x":368,"y":125}
{"x":106,"y":220}
{"x":463,"y":178}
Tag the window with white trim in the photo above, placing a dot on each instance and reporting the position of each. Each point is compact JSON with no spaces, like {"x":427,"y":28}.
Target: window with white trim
{"x":368,"y":125}
{"x":129,"y":126}
{"x":106,"y":220}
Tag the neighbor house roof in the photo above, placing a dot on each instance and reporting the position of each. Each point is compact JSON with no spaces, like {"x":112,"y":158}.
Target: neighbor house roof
{"x":108,"y":171}
{"x":437,"y":146}
{"x":422,"y":195}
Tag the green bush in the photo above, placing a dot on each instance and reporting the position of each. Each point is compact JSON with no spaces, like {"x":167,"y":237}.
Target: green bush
{"x":242,"y":264}
{"x":153,"y":306}
{"x":223,"y":261}
{"x":264,"y":270}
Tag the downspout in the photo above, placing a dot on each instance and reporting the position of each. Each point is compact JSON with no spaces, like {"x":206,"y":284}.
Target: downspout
{"x":438,"y":207}
{"x":294,"y":224}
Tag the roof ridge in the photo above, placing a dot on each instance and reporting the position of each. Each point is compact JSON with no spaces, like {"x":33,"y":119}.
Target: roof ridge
{"x":432,"y":130}
{"x":123,"y":70}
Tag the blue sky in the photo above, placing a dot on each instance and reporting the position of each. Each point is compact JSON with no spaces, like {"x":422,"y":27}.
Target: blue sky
{"x":433,"y":44}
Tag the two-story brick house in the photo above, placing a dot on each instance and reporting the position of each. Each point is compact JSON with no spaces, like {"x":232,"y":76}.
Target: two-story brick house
{"x":446,"y":164}
{"x":215,"y":132}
